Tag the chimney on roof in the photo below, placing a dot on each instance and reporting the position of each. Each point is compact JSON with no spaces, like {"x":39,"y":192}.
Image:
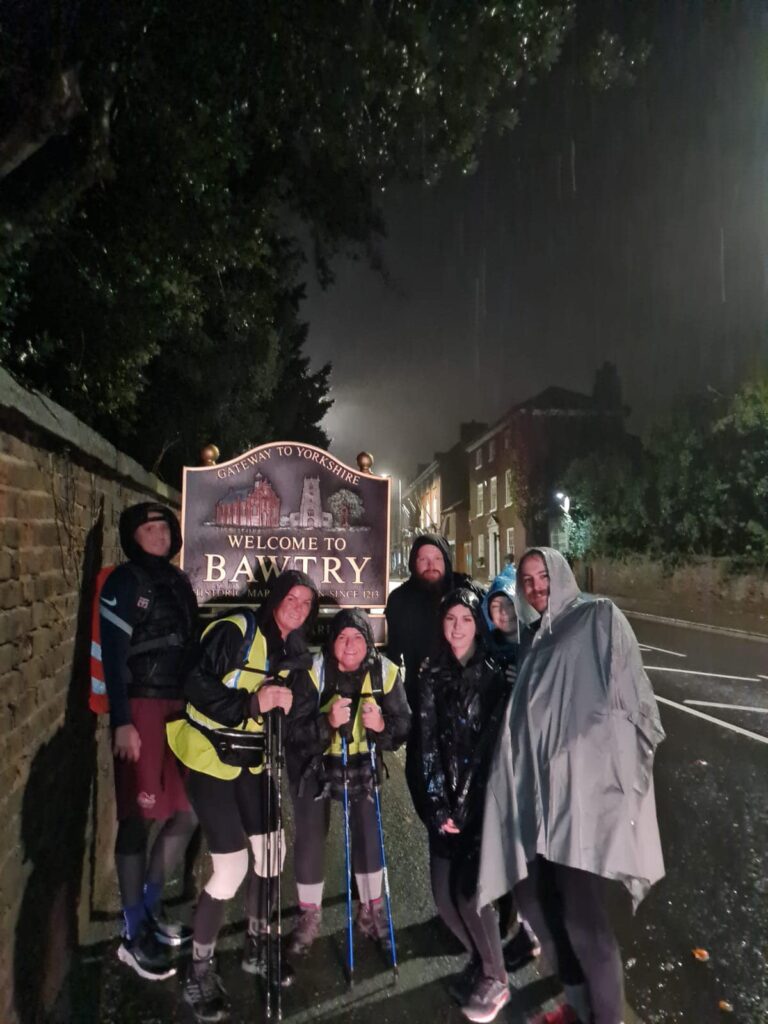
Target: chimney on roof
{"x":606,"y":392}
{"x":469,"y":431}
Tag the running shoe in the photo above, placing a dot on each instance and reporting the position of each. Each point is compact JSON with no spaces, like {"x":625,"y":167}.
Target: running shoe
{"x":255,"y":959}
{"x":144,"y":955}
{"x":205,"y":993}
{"x":488,"y":997}
{"x":520,"y":950}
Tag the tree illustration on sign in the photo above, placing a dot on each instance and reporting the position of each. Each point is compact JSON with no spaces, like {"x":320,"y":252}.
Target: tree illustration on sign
{"x":346,"y":507}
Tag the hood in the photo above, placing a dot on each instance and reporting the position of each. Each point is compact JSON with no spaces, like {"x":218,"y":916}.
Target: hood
{"x":502,"y":584}
{"x":468,"y":598}
{"x":438,"y":542}
{"x":354,"y":618}
{"x":281,"y":585}
{"x":563,"y":588}
{"x":134,"y":517}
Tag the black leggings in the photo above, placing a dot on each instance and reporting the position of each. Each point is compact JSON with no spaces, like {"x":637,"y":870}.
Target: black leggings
{"x":311,"y":820}
{"x":478,"y":932}
{"x":231,"y":810}
{"x":133,"y":866}
{"x":566,"y":909}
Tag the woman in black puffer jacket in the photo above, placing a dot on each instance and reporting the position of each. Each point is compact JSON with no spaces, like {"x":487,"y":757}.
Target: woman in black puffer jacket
{"x":463,"y":694}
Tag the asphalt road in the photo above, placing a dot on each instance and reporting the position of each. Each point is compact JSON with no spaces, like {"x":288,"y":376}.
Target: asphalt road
{"x":711,"y":784}
{"x":712,"y":794}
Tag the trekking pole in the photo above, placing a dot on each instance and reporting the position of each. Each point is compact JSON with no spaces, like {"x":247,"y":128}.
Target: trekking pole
{"x":384,"y":871}
{"x":348,"y":860}
{"x":268,"y":934}
{"x":279,"y":794}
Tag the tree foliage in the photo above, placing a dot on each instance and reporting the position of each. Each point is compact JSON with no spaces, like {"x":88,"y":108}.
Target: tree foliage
{"x":161,"y":160}
{"x":700,"y":486}
{"x":346,"y":507}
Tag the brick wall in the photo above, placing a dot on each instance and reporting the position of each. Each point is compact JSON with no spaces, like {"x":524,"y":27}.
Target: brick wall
{"x":62,"y":488}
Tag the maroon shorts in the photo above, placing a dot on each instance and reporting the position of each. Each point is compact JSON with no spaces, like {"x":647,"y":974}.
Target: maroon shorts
{"x":152,"y":787}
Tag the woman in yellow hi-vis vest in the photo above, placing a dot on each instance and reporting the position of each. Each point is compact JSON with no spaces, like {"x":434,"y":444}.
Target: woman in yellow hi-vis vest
{"x":248,"y":668}
{"x":361,"y":690}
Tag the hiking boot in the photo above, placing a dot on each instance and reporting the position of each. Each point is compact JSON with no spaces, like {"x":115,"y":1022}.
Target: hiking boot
{"x":520,"y":950}
{"x":255,"y":959}
{"x":564,"y":1014}
{"x":488,"y":997}
{"x":167,"y":932}
{"x":461,"y":985}
{"x":145,"y":955}
{"x":372,"y":922}
{"x":204,"y":992}
{"x":305,"y":931}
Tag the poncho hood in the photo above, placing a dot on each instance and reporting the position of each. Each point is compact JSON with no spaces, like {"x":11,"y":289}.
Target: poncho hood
{"x":563,"y":589}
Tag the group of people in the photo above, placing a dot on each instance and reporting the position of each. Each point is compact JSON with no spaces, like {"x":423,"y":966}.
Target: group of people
{"x":530,"y":729}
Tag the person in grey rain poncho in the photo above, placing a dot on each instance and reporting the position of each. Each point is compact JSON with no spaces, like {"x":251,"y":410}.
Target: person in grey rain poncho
{"x":570,"y":799}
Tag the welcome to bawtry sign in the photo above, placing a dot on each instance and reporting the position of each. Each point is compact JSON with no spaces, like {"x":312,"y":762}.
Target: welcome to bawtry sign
{"x":285,"y":506}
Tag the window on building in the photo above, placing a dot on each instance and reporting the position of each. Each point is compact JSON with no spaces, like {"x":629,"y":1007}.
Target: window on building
{"x":492,"y":449}
{"x":507,"y":440}
{"x":480,"y":508}
{"x":507,"y":487}
{"x":479,"y":458}
{"x":494,"y":495}
{"x":481,"y":549}
{"x":510,"y":542}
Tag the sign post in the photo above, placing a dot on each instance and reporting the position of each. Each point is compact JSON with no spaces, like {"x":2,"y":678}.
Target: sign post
{"x":285,"y":506}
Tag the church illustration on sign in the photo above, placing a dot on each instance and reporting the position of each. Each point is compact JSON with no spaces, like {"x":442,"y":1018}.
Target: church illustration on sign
{"x":260,"y":505}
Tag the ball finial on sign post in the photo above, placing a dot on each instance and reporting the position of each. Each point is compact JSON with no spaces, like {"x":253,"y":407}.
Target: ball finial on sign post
{"x":209,"y":454}
{"x":365,"y":462}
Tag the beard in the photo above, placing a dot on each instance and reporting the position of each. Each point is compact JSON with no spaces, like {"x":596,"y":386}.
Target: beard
{"x":430,"y":586}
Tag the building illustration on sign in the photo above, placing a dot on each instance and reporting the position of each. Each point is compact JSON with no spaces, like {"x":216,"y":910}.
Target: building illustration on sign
{"x":310,"y":515}
{"x":260,"y":506}
{"x":257,"y":506}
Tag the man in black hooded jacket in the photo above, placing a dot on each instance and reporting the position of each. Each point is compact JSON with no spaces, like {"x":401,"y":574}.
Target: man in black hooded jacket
{"x":413,"y":632}
{"x":148,"y":617}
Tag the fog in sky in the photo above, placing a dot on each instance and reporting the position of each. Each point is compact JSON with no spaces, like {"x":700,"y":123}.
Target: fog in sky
{"x":629,"y":226}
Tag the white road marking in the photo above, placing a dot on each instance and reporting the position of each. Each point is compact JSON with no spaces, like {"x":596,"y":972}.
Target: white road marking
{"x":662,"y":650}
{"x":732,"y":707}
{"x":691,"y":672}
{"x":715,"y":721}
{"x":762,"y":677}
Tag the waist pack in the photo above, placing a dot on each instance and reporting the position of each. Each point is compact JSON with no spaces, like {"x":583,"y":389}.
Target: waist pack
{"x":234,"y":747}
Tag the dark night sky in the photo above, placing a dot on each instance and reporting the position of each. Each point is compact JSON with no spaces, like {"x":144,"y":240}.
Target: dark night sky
{"x":630,"y":226}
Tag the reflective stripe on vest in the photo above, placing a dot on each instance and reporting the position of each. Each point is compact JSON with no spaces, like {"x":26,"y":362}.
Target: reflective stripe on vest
{"x":190,"y":745}
{"x":359,"y":742}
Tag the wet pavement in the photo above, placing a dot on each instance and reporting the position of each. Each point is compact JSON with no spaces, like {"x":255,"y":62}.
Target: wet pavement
{"x":104,"y":990}
{"x":711,"y":784}
{"x":712,"y":795}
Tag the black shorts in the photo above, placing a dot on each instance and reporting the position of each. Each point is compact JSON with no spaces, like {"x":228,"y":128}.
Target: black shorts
{"x":232,"y":810}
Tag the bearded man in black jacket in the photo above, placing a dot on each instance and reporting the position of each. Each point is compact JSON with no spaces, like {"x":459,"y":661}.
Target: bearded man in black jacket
{"x":413,"y":632}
